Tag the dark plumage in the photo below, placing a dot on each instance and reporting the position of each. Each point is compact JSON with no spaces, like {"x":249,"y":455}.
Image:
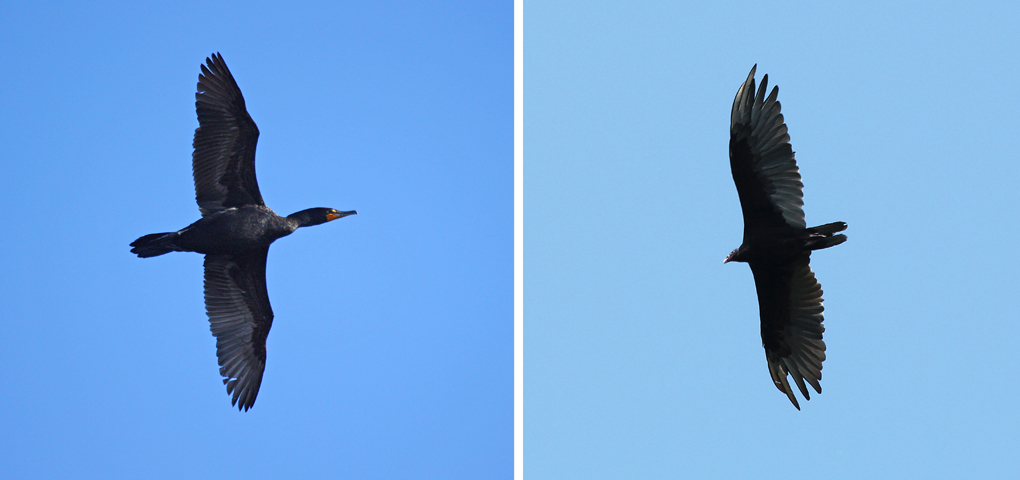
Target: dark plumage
{"x":777,"y":245}
{"x":234,"y":233}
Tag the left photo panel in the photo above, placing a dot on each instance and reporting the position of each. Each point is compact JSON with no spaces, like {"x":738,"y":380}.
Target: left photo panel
{"x":167,"y":314}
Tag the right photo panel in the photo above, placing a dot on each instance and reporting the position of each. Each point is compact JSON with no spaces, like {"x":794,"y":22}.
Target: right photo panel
{"x":771,"y":241}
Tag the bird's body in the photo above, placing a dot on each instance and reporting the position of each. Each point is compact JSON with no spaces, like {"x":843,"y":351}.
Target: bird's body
{"x":783,"y":244}
{"x":234,"y":233}
{"x":229,"y":231}
{"x":777,"y":243}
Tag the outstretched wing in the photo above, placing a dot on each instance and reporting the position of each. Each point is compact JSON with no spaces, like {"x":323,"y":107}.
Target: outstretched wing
{"x":790,"y":302}
{"x":223,"y":163}
{"x":762,"y":161}
{"x":240,"y":317}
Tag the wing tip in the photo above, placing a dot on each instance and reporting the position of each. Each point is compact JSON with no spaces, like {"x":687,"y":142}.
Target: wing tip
{"x":738,"y":111}
{"x":781,"y":368}
{"x":214,"y":58}
{"x":243,"y":397}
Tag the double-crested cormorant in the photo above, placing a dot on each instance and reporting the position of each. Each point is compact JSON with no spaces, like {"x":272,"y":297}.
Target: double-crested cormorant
{"x":777,"y":245}
{"x":234,"y":233}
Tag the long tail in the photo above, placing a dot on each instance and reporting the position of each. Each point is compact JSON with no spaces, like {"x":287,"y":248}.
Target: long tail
{"x":154,"y":244}
{"x":823,"y":236}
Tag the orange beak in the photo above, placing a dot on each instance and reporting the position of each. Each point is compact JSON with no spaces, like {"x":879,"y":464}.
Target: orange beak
{"x":337,"y":214}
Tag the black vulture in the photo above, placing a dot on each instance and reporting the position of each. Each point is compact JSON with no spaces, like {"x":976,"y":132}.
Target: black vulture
{"x":234,"y":233}
{"x":777,"y":245}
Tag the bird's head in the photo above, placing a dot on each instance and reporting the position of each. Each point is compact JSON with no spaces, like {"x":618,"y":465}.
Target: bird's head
{"x":316,"y":216}
{"x":732,"y":256}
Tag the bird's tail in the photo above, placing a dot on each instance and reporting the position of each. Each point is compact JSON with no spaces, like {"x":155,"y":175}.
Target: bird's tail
{"x":823,"y":236}
{"x":154,"y":244}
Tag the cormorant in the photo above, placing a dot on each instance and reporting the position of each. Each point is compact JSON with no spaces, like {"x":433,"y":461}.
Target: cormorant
{"x":777,"y":243}
{"x":234,"y":233}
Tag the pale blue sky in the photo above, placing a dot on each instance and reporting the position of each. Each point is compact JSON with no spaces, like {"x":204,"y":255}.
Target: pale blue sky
{"x":391,"y":353}
{"x":643,"y":355}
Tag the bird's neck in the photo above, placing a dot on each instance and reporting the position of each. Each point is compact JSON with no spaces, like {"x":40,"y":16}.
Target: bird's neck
{"x":304,"y":218}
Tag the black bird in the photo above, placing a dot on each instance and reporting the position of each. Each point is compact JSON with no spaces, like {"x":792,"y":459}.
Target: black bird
{"x":234,"y":233}
{"x":777,"y":245}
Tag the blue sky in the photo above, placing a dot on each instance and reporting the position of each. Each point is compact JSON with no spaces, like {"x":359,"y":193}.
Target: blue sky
{"x":391,"y":353}
{"x":643,"y":356}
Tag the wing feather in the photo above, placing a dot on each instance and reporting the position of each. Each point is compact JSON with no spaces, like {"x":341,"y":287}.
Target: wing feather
{"x":790,"y":302}
{"x":762,"y":160}
{"x":223,"y":162}
{"x":240,"y":317}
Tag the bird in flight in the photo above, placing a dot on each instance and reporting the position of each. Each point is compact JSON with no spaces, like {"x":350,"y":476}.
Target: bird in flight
{"x":234,"y":233}
{"x":777,"y":245}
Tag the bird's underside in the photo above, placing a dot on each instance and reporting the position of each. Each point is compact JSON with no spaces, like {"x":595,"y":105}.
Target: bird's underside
{"x":777,"y":245}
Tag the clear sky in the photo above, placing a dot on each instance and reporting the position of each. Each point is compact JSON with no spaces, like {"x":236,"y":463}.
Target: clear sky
{"x":643,"y":354}
{"x":391,"y":353}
